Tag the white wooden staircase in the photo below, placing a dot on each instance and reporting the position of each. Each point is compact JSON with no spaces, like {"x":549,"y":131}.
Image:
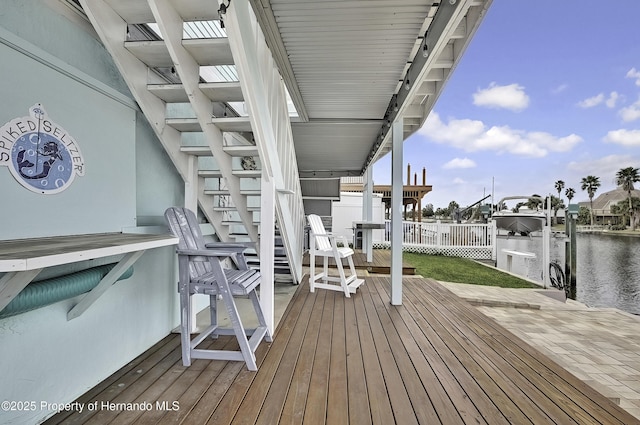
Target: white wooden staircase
{"x":230,"y":140}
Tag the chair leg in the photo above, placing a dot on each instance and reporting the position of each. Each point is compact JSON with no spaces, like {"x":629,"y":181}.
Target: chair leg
{"x":352,"y":267}
{"x":238,"y":328}
{"x":325,"y":270}
{"x":213,"y":312}
{"x":343,"y":277}
{"x":312,"y":277}
{"x":185,"y":324}
{"x":258,"y":309}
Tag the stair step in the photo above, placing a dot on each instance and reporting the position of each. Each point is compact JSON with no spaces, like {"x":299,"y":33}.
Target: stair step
{"x":248,"y":173}
{"x":210,"y":174}
{"x":233,"y":124}
{"x":241,"y":150}
{"x":239,"y":173}
{"x":196,"y":150}
{"x":249,"y":208}
{"x":252,"y":192}
{"x":226,"y":91}
{"x":206,"y":51}
{"x":184,"y":124}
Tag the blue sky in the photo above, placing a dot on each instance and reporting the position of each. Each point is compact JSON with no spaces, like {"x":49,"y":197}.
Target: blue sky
{"x":546,"y":90}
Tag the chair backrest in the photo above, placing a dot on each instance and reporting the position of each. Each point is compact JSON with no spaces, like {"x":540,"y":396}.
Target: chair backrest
{"x":317,"y":228}
{"x":184,"y":226}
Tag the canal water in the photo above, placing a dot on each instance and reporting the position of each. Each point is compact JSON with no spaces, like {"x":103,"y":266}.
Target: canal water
{"x":608,"y":272}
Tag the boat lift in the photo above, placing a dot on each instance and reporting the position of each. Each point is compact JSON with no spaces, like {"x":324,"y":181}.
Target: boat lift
{"x":523,"y":224}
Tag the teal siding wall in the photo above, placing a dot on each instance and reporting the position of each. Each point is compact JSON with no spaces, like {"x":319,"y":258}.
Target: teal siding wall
{"x":103,"y":200}
{"x":129,"y":182}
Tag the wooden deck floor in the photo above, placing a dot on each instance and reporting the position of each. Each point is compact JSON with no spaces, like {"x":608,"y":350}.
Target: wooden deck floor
{"x":334,"y":360}
{"x":380,"y":264}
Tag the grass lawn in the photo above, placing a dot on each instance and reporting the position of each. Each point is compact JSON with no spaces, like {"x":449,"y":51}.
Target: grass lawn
{"x":462,"y":270}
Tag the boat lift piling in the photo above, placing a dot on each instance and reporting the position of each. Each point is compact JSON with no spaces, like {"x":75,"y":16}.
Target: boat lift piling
{"x":571,"y":249}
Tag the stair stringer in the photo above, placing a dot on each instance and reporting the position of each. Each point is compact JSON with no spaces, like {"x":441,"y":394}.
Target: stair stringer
{"x":112,"y":30}
{"x":170,"y":24}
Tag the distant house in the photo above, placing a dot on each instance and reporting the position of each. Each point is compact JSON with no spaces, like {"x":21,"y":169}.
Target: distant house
{"x":602,"y":205}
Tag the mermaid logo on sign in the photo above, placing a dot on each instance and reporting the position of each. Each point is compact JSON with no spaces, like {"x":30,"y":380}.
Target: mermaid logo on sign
{"x":40,"y":154}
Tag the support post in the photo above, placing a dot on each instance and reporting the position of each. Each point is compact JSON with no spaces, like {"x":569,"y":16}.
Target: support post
{"x":267,"y":247}
{"x":191,"y":184}
{"x":191,"y":202}
{"x":367,"y":213}
{"x":396,"y":211}
{"x":571,"y":256}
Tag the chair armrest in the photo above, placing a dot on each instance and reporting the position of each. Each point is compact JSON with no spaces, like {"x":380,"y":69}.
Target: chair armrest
{"x":226,"y":246}
{"x":221,"y":253}
{"x":328,"y":234}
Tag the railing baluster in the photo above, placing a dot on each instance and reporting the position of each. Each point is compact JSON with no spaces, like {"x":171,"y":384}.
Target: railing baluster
{"x":468,"y":240}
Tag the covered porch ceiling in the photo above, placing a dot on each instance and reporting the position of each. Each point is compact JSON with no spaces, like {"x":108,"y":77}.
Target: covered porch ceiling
{"x":352,"y":66}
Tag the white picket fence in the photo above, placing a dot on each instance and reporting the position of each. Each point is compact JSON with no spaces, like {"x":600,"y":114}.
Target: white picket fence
{"x":456,"y":240}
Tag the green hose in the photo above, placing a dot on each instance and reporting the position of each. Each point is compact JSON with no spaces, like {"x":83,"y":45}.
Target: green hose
{"x":49,"y":291}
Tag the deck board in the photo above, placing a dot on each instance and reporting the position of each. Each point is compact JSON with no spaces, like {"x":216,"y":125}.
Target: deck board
{"x":336,"y":360}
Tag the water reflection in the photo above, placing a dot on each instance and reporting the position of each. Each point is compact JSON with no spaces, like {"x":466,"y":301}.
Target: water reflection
{"x":609,"y":271}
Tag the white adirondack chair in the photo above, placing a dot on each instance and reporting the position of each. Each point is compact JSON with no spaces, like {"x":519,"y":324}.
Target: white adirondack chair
{"x":203,"y":269}
{"x":325,"y":245}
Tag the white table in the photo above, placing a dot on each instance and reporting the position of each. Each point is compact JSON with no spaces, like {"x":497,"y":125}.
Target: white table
{"x":23,"y":259}
{"x":365,"y":229}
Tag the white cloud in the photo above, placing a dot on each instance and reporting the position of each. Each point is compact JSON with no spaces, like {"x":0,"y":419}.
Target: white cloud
{"x":610,"y":102}
{"x":631,"y":112}
{"x":473,"y":135}
{"x":592,"y":101}
{"x":458,"y":180}
{"x":460,"y":163}
{"x":560,"y":88}
{"x":510,"y":97}
{"x":633,"y":73}
{"x":628,"y":138}
{"x":605,"y":168}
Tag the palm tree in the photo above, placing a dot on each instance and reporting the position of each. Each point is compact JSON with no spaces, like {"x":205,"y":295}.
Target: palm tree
{"x":559,"y":186}
{"x":625,"y":178}
{"x":569,"y":193}
{"x":591,"y":185}
{"x":534,"y":202}
{"x":556,"y":204}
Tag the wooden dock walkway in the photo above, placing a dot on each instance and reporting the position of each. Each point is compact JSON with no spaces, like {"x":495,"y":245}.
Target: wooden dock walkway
{"x":433,"y":360}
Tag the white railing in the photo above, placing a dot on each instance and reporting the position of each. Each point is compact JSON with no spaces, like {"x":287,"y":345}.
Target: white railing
{"x":265,"y":97}
{"x":462,"y":240}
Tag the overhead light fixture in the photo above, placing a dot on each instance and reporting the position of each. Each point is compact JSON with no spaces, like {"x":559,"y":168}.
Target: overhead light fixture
{"x":452,"y":2}
{"x":407,"y":85}
{"x":425,"y":50}
{"x":395,"y":107}
{"x":223,"y":11}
